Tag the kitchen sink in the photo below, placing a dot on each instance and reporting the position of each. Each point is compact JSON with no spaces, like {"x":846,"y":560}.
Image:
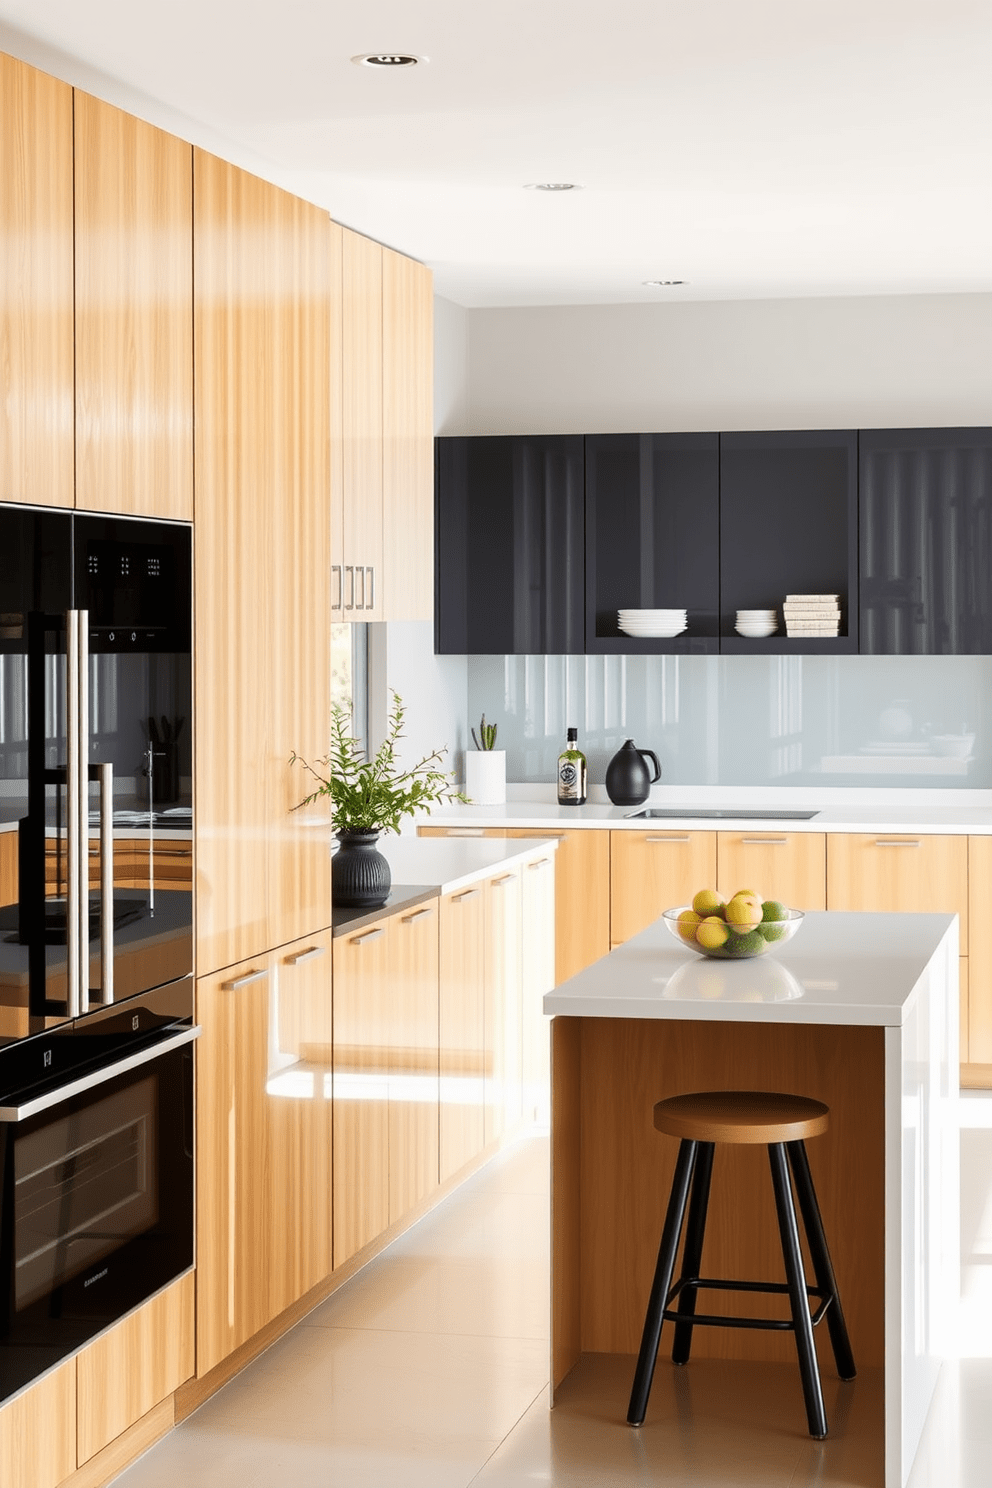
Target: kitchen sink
{"x":654,"y":813}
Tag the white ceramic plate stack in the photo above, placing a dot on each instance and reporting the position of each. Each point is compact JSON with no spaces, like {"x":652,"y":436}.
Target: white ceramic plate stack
{"x":756,"y":624}
{"x":646,"y":624}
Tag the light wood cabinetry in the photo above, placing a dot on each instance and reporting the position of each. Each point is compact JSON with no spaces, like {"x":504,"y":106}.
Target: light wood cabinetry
{"x":462,"y":1027}
{"x":894,"y":871}
{"x":133,"y":1366}
{"x":263,"y":1142}
{"x":788,"y":866}
{"x":980,"y":956}
{"x":38,"y":1432}
{"x":538,"y":960}
{"x":361,"y":425}
{"x":262,"y":357}
{"x":412,"y":1060}
{"x":582,"y":897}
{"x":36,"y":293}
{"x":9,"y":873}
{"x":407,"y":438}
{"x":503,"y":1039}
{"x":134,"y":315}
{"x":652,"y":871}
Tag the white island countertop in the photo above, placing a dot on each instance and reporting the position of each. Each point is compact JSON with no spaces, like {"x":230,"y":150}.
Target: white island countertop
{"x":853,"y":969}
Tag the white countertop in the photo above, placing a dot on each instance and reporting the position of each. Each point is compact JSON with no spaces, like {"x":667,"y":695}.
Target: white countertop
{"x":452,"y":863}
{"x":839,"y":968}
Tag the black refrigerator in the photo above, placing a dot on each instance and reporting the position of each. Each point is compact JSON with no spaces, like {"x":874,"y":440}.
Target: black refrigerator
{"x":96,"y":817}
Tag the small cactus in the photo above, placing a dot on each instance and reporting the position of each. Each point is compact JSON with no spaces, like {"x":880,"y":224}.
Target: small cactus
{"x":486,"y":734}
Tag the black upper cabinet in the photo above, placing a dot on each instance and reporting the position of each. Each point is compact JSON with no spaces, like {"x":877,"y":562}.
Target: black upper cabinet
{"x":510,"y":545}
{"x":926,"y":541}
{"x":788,"y":525}
{"x":652,"y":537}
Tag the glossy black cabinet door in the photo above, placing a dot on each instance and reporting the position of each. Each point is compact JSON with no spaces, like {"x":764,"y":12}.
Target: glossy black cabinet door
{"x":510,"y":545}
{"x":788,"y":525}
{"x":652,"y":537}
{"x":926,"y":541}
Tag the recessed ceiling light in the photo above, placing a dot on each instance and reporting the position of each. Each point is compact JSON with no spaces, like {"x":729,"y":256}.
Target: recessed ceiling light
{"x":662,"y":283}
{"x":552,"y":186}
{"x":387,"y":59}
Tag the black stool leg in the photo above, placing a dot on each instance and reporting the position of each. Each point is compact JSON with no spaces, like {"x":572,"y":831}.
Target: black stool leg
{"x":820,"y":1256}
{"x":651,"y":1337}
{"x":795,"y":1276}
{"x":693,"y":1253}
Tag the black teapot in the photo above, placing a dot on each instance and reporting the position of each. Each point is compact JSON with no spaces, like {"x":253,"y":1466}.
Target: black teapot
{"x":627,"y":779}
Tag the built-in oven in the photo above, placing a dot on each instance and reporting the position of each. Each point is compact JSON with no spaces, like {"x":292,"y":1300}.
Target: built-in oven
{"x":96,"y":1175}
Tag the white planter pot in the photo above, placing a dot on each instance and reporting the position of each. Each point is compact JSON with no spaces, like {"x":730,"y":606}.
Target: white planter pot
{"x":485,"y":776}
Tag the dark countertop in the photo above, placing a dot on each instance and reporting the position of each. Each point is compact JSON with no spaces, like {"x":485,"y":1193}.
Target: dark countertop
{"x":401,"y":897}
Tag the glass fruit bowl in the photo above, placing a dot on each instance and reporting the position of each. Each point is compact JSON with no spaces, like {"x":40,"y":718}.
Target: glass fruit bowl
{"x":738,"y":943}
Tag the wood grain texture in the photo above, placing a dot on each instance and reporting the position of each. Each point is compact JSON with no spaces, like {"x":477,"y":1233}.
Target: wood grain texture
{"x":566,"y":1192}
{"x":38,"y":1432}
{"x":741,"y":1117}
{"x":652,"y":871}
{"x":9,"y":871}
{"x":788,"y":866}
{"x":503,"y":1088}
{"x":964,"y":999}
{"x":462,"y":1028}
{"x":362,"y":419}
{"x":538,"y":893}
{"x":582,"y":897}
{"x":625,"y":1066}
{"x":134,"y":1367}
{"x":134,"y":315}
{"x":407,"y":438}
{"x":980,"y":950}
{"x":262,"y":556}
{"x":361,"y":1087}
{"x":125,"y":1449}
{"x":335,"y":252}
{"x":413,"y":1063}
{"x":930,"y":876}
{"x":36,"y":291}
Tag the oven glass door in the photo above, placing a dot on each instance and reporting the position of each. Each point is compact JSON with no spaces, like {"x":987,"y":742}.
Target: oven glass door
{"x":97,"y":1210}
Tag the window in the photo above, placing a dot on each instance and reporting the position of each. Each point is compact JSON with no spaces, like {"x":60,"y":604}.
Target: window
{"x":350,"y":675}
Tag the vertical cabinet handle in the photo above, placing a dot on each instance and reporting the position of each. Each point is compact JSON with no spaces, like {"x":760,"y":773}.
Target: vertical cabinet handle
{"x":363,"y":605}
{"x":349,"y":569}
{"x":105,"y":775}
{"x":371,"y":573}
{"x":336,"y":569}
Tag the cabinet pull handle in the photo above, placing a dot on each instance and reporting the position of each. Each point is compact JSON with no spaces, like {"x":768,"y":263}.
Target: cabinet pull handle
{"x":310,"y":954}
{"x":161,"y":851}
{"x":541,"y":863}
{"x":504,"y":878}
{"x":349,"y":569}
{"x":418,"y":914}
{"x":336,"y":569}
{"x":371,"y":574}
{"x":465,"y":832}
{"x":242,"y":981}
{"x":465,"y":894}
{"x":358,"y":940}
{"x":764,"y":841}
{"x":360,"y":570}
{"x":666,"y":839}
{"x":900,"y":842}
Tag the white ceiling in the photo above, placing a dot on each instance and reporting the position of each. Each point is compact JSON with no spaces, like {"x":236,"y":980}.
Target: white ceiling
{"x":754,"y":148}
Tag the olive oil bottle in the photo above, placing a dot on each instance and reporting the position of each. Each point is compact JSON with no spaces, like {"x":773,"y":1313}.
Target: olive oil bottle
{"x":572,"y":773}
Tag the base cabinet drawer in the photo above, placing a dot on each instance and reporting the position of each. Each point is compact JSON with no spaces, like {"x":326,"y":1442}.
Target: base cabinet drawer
{"x":38,"y":1432}
{"x":652,"y":871}
{"x":788,"y":866}
{"x":134,"y":1366}
{"x":901,"y":872}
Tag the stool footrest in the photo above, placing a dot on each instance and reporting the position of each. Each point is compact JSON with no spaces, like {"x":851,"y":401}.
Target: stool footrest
{"x":721,"y":1321}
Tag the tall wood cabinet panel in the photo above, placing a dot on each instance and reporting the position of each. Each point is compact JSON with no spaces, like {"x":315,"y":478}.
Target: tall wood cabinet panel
{"x":263,"y":1142}
{"x":652,"y":871}
{"x":335,"y":253}
{"x":36,"y":293}
{"x":134,"y":315}
{"x":788,"y":866}
{"x":462,"y":1027}
{"x":582,"y":897}
{"x":503,"y":1087}
{"x":361,"y":1087}
{"x":38,"y":1432}
{"x":361,"y":332}
{"x":262,"y":349}
{"x":980,"y":952}
{"x":407,"y":438}
{"x":413,"y":1058}
{"x":538,"y":958}
{"x":133,"y":1366}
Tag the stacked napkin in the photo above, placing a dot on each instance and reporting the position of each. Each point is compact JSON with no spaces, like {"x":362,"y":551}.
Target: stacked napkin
{"x":812,"y":614}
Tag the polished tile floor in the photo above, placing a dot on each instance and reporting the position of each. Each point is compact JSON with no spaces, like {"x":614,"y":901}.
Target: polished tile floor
{"x":430,"y":1369}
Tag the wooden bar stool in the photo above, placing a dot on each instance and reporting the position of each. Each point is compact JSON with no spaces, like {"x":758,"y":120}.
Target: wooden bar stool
{"x":782,"y":1123}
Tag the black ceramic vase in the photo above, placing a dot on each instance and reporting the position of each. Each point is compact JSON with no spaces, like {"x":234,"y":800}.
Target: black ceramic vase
{"x":360,"y":876}
{"x":628,"y":780}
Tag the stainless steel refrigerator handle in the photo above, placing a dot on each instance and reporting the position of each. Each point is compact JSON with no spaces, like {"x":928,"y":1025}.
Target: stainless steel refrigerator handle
{"x":73,"y":844}
{"x":105,"y":775}
{"x":84,"y":810}
{"x":11,"y":1114}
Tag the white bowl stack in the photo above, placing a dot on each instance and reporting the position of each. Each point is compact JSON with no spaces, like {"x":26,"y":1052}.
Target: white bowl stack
{"x":812,"y":614}
{"x":756,"y":624}
{"x":648,"y":624}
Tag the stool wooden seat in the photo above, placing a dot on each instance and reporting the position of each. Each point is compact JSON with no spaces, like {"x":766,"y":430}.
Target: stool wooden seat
{"x":743,"y":1117}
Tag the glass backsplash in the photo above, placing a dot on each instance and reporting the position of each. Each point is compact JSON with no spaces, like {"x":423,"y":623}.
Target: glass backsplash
{"x":741,"y":720}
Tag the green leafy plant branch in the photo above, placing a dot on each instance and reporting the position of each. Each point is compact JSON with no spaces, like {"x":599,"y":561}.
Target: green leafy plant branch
{"x":374,"y":795}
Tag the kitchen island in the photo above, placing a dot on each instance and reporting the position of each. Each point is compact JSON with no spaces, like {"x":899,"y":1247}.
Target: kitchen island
{"x":859,"y":1011}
